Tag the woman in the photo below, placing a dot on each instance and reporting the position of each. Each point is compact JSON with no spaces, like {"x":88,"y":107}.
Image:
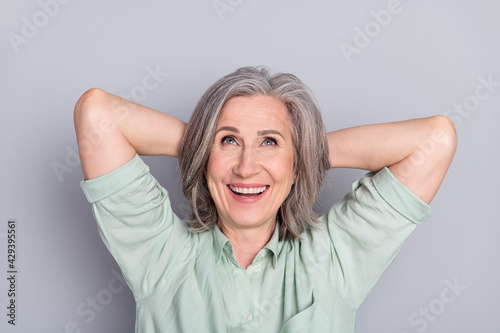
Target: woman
{"x":252,"y":256}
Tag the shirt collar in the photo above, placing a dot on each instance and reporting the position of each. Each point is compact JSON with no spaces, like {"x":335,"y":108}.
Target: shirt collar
{"x":272,"y":245}
{"x":221,"y":241}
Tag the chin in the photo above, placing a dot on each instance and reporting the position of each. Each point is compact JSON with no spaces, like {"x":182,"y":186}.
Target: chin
{"x":249,"y":222}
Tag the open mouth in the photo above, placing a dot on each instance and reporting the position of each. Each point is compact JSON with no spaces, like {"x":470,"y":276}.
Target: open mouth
{"x":248,"y":192}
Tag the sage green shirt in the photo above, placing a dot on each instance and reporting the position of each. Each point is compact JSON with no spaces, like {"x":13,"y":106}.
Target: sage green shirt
{"x":191,"y":282}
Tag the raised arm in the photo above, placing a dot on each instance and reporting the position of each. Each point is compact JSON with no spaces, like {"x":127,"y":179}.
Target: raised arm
{"x":110,"y":130}
{"x":418,"y":151}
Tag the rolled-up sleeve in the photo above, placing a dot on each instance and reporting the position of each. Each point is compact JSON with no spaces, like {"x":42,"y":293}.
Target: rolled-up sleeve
{"x":136,"y":223}
{"x":367,"y":229}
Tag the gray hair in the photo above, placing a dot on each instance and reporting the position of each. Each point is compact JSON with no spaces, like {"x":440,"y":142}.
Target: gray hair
{"x":308,"y":133}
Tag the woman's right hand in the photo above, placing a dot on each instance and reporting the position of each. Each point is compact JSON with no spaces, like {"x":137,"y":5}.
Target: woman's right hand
{"x":110,"y":130}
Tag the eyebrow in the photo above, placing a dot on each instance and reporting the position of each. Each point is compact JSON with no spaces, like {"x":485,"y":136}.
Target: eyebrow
{"x":228,"y":128}
{"x":259,"y":133}
{"x":269,"y":131}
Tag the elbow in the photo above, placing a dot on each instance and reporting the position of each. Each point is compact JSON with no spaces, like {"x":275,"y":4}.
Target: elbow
{"x":90,"y":105}
{"x":89,"y":99}
{"x":444,"y":134}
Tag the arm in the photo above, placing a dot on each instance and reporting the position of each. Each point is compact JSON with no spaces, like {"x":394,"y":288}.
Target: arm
{"x":365,"y":231}
{"x":418,"y":151}
{"x":111,"y":130}
{"x":132,"y":210}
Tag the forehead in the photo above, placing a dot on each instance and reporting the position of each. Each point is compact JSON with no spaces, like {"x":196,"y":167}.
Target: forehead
{"x":250,"y":111}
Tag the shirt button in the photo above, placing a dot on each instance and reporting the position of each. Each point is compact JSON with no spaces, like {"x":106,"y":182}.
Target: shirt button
{"x":248,"y":316}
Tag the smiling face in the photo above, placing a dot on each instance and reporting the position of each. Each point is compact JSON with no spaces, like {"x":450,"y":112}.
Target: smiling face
{"x":250,"y":169}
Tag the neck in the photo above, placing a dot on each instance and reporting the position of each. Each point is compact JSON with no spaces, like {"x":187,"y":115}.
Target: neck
{"x":247,"y":242}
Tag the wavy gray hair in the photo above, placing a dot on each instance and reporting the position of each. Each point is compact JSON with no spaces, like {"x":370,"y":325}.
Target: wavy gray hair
{"x":308,"y":133}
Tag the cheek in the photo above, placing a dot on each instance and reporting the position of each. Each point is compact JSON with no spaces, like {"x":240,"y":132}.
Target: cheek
{"x":281,"y":167}
{"x":217,"y":166}
{"x":212,"y":178}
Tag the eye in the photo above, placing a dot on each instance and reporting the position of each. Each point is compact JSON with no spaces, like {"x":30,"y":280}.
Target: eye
{"x":269,"y":142}
{"x":228,"y":140}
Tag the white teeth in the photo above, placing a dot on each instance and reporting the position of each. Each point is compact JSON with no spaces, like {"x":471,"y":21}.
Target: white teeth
{"x":246,"y":190}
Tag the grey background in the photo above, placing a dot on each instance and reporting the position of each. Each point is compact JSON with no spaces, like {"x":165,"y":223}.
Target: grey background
{"x":429,"y":57}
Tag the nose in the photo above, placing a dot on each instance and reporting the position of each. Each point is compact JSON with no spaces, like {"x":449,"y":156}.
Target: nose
{"x":247,"y":164}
